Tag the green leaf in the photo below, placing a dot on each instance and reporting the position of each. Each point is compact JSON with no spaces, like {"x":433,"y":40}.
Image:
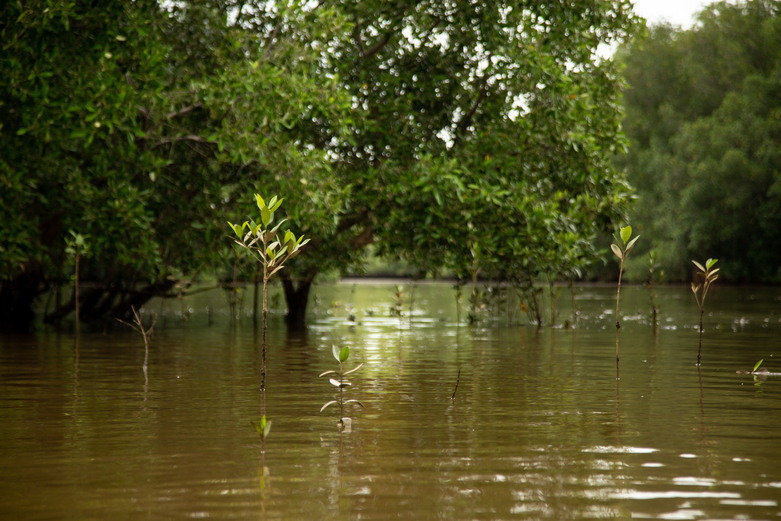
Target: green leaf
{"x":260,"y":201}
{"x":352,"y":370}
{"x":355,"y":401}
{"x":617,"y":250}
{"x":329,"y":372}
{"x":275,"y":207}
{"x":710,"y":262}
{"x":699,"y":266}
{"x":756,"y":366}
{"x":631,"y":244}
{"x":626,"y":233}
{"x":326,"y":405}
{"x":265,"y":215}
{"x":344,"y":354}
{"x":335,"y":351}
{"x":236,"y":228}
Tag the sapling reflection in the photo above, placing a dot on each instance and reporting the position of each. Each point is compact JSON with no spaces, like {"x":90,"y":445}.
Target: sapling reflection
{"x":272,"y":250}
{"x":341,"y":356}
{"x":709,"y":276}
{"x":621,"y":248}
{"x":656,"y":276}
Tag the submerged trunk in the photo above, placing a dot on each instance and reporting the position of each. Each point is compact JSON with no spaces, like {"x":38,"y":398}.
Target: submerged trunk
{"x":17,"y":296}
{"x":297,"y":298}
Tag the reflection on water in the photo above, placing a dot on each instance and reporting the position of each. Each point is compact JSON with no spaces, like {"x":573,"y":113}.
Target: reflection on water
{"x":538,"y":428}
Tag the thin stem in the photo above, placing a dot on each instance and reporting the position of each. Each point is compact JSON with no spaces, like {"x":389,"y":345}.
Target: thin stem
{"x":618,"y":323}
{"x":699,"y":349}
{"x":341,"y":399}
{"x":266,"y":277}
{"x":458,"y":379}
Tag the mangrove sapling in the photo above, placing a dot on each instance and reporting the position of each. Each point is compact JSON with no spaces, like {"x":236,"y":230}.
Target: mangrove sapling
{"x":341,"y":357}
{"x":263,"y":427}
{"x":709,"y":276}
{"x":271,"y":251}
{"x":621,"y":248}
{"x":78,"y":247}
{"x":146,"y":333}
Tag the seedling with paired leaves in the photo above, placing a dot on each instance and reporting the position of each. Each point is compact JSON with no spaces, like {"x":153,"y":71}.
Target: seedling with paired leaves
{"x":341,"y":356}
{"x":621,"y":248}
{"x":709,"y":276}
{"x":272,"y":249}
{"x":263,"y":427}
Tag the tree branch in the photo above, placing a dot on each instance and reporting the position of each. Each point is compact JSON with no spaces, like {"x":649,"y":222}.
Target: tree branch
{"x":191,"y":137}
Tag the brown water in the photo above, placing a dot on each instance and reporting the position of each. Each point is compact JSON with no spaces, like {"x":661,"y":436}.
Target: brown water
{"x":539,"y":429}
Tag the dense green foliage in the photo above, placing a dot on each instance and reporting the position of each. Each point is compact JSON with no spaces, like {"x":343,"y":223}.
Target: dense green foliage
{"x":138,"y":124}
{"x":484,"y":132}
{"x":453,"y":134}
{"x":703,"y":113}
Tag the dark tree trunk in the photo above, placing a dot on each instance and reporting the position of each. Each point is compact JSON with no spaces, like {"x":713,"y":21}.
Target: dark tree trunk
{"x":17,"y":297}
{"x":297,"y":297}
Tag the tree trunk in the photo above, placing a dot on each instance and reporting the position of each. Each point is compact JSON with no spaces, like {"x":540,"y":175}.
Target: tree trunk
{"x":17,"y":297}
{"x":297,"y":297}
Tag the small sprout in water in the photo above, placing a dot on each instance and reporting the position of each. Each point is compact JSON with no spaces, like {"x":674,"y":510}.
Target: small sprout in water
{"x":756,"y":366}
{"x":709,"y":276}
{"x":263,"y":428}
{"x":341,"y":356}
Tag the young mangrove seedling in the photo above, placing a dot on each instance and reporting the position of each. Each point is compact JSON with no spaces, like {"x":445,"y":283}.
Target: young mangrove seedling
{"x":271,"y":249}
{"x":709,"y":276}
{"x":146,"y":333}
{"x":341,"y":357}
{"x":263,"y":427}
{"x":621,"y":248}
{"x":78,"y":247}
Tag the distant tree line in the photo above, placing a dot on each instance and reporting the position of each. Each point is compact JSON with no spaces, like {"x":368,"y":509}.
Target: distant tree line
{"x":703,"y":116}
{"x":473,"y":136}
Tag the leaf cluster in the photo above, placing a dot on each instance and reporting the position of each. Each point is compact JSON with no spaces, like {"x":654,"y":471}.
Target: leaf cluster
{"x":709,"y":276}
{"x":341,"y":356}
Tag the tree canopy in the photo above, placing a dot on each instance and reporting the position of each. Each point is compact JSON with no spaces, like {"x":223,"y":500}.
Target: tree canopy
{"x":453,"y":134}
{"x":702,"y":113}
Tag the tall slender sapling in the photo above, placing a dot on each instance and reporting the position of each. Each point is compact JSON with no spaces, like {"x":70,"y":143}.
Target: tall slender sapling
{"x":271,"y":250}
{"x":78,"y":247}
{"x":621,"y":248}
{"x":709,"y":276}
